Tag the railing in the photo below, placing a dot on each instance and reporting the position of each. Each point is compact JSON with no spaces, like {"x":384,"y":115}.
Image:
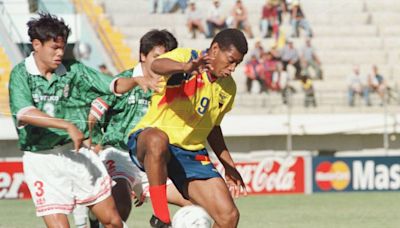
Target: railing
{"x":92,"y":14}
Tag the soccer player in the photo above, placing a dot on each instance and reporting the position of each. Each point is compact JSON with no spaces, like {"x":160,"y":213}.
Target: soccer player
{"x":50,"y":102}
{"x":169,"y":141}
{"x":123,"y":115}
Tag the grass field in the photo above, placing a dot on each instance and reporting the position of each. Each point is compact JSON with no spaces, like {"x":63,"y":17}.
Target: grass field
{"x":350,"y":210}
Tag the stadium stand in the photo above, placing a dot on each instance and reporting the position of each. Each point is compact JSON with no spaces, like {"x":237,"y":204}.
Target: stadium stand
{"x":362,"y":32}
{"x":111,"y":37}
{"x":5,"y":68}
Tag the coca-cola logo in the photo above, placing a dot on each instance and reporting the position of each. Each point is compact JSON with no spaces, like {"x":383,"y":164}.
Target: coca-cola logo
{"x":272,"y":175}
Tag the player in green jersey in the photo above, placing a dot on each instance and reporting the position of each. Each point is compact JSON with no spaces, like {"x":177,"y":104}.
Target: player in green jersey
{"x":50,"y":102}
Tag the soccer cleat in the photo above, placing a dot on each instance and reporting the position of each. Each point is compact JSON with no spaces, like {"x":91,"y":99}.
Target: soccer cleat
{"x":157,"y":223}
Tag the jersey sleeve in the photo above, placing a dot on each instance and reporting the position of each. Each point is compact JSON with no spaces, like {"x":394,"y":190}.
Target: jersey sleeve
{"x":20,"y":93}
{"x":98,"y":81}
{"x":182,"y":55}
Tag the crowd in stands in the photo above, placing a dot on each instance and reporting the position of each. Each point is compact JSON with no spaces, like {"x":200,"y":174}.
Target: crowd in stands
{"x":363,"y":84}
{"x":216,"y":18}
{"x":269,"y":68}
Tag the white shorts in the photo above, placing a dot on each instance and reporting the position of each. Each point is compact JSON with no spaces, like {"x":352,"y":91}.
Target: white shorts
{"x":120,"y":165}
{"x":60,"y":178}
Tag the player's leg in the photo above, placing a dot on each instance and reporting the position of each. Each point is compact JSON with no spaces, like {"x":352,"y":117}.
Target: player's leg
{"x":218,"y":202}
{"x":49,"y":185}
{"x":194,"y":175}
{"x":92,"y":186}
{"x":121,"y":193}
{"x":175,"y":197}
{"x":152,"y":152}
{"x":106,"y":212}
{"x":56,"y":220}
{"x":125,"y":174}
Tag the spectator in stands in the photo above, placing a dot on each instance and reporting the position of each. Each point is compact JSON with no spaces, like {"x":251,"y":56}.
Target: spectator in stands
{"x":103,"y":69}
{"x":297,"y":20}
{"x":275,"y":52}
{"x":269,"y":18}
{"x":33,"y":5}
{"x":289,"y":55}
{"x":281,"y":7}
{"x":309,"y":94}
{"x":310,"y":59}
{"x":281,"y":82}
{"x":239,"y":17}
{"x":378,"y":83}
{"x":252,"y":72}
{"x":194,"y":20}
{"x":154,"y":4}
{"x":267,"y":66}
{"x":170,"y":6}
{"x":258,"y":50}
{"x":358,"y":84}
{"x":215,"y":19}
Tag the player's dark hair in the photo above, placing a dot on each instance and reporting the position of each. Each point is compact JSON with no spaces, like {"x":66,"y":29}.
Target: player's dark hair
{"x":228,"y":37}
{"x":155,"y":38}
{"x":47,"y":27}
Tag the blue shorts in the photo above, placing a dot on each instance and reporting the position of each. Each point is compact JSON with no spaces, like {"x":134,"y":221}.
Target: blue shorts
{"x":184,"y":165}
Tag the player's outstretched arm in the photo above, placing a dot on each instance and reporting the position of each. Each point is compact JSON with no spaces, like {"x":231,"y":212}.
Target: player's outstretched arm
{"x":232,"y":176}
{"x":123,"y":85}
{"x":166,"y":66}
{"x":38,"y":118}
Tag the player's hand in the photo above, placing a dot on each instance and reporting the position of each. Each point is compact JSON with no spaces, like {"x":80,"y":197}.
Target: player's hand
{"x":234,"y":182}
{"x":139,"y":200}
{"x":138,"y":195}
{"x":76,"y":136}
{"x":199,"y":65}
{"x":146,"y":83}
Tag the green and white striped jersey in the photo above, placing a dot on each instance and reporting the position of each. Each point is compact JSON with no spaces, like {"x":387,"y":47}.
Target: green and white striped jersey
{"x":68,"y":95}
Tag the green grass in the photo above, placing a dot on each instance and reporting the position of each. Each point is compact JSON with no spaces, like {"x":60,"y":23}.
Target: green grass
{"x":350,"y":210}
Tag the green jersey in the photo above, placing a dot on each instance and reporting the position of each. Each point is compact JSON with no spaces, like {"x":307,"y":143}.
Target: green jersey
{"x":125,"y":113}
{"x":67,"y":95}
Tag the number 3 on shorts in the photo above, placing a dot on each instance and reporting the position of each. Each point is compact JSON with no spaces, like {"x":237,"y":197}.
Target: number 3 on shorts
{"x":39,"y":188}
{"x":204,"y":102}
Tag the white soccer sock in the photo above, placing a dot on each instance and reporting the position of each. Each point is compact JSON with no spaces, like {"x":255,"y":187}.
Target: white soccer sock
{"x":80,"y":216}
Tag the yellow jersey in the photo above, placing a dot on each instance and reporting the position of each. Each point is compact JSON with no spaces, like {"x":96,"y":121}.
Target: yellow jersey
{"x":188,"y":106}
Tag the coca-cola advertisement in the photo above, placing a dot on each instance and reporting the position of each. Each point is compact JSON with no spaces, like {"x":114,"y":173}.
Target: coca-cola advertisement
{"x":12,"y":184}
{"x":273,"y":175}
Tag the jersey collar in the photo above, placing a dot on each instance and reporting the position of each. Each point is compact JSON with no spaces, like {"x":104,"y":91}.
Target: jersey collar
{"x":32,"y":68}
{"x":137,"y":71}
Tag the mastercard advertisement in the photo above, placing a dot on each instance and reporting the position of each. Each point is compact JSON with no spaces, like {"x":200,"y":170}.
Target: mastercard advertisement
{"x":337,"y":174}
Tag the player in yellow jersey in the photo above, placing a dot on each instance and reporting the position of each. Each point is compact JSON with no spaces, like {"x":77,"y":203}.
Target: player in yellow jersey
{"x":169,"y":141}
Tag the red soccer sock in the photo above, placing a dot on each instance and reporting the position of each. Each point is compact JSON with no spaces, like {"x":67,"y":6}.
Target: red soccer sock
{"x":158,"y":196}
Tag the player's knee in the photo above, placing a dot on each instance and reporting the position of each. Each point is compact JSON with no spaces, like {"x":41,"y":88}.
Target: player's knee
{"x":114,"y":222}
{"x":156,"y":142}
{"x":228,"y":218}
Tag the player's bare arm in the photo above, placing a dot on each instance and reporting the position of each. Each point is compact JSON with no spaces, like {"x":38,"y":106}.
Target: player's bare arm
{"x":165,"y":66}
{"x":40,"y":119}
{"x":123,"y":85}
{"x":232,"y":176}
